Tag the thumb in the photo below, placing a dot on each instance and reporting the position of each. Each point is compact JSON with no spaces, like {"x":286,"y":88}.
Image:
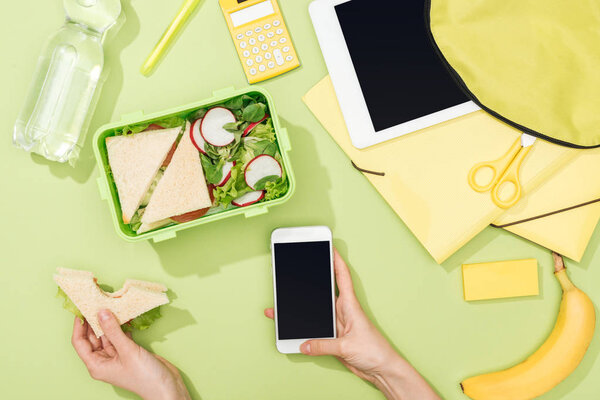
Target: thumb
{"x":322,"y":347}
{"x":113,"y":332}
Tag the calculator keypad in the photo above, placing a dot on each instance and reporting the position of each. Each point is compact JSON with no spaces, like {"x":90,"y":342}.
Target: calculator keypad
{"x":265,"y":50}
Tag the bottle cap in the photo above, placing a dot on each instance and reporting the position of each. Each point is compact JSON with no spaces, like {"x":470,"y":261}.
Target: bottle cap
{"x":98,"y":15}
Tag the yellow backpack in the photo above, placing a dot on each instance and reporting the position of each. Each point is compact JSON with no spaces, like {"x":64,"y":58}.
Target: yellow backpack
{"x":533,"y":64}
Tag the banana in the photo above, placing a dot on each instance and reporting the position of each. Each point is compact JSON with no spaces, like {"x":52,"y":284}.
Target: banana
{"x":554,"y":360}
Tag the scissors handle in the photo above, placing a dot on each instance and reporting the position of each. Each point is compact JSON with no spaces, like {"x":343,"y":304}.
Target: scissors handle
{"x":498,"y":167}
{"x":511,"y":176}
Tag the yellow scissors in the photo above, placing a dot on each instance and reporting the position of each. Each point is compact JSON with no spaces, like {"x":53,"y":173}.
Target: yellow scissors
{"x":506,"y":171}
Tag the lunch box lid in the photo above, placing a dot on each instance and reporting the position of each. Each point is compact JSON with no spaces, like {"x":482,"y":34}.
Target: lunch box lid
{"x":109,"y":193}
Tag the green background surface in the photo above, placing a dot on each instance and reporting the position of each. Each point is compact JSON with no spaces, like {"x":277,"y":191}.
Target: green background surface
{"x":214,"y":330}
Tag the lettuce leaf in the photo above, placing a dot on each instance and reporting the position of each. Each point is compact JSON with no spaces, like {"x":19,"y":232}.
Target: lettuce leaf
{"x":128,"y":130}
{"x":234,"y":127}
{"x":225,"y":153}
{"x":199,"y":114}
{"x":153,"y":186}
{"x":213,"y":172}
{"x":142,"y":322}
{"x":68,"y":305}
{"x":277,"y":189}
{"x":235,"y":187}
{"x":172,"y":122}
{"x":261,"y":147}
{"x":167,"y":123}
{"x":262,"y":184}
{"x":254,"y":112}
{"x":136,"y":220}
{"x":264,"y":131}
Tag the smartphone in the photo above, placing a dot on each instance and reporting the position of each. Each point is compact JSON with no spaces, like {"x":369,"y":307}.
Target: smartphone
{"x":304,"y":287}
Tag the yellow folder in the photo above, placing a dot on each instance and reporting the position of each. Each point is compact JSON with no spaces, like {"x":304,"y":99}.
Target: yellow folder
{"x":425,"y":179}
{"x":561,"y":214}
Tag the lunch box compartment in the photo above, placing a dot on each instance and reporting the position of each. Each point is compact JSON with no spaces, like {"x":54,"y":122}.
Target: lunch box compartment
{"x":108,"y":190}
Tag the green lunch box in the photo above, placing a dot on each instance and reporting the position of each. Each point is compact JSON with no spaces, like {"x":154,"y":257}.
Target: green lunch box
{"x":108,"y":190}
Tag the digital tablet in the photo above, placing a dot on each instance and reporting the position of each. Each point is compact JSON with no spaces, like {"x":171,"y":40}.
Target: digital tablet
{"x":388,"y":78}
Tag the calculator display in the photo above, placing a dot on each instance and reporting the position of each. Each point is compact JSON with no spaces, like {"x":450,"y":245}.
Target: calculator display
{"x":401,"y":76}
{"x":252,"y":13}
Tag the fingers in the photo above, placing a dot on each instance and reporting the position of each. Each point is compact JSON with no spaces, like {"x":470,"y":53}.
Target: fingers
{"x":113,"y":332}
{"x":269,"y":313}
{"x":94,"y":341}
{"x":342,"y":275}
{"x":80,"y":341}
{"x":108,"y":347}
{"x":322,"y":347}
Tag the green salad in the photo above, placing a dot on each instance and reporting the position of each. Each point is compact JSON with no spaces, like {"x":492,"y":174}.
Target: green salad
{"x":253,"y":136}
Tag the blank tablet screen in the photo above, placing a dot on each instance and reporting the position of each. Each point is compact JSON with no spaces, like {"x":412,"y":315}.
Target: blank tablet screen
{"x":401,"y":76}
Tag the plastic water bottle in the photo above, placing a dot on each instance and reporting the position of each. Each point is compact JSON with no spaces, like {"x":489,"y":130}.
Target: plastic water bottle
{"x":64,"y":90}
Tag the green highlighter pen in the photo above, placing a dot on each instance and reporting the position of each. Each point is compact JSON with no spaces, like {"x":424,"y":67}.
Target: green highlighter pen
{"x":169,"y":36}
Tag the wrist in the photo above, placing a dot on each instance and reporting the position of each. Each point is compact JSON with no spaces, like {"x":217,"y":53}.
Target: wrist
{"x":177,"y":391}
{"x":399,"y":380}
{"x":392,"y":379}
{"x":392,"y":369}
{"x":388,"y":364}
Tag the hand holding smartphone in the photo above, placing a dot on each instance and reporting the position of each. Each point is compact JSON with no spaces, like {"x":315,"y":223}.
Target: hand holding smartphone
{"x":304,"y":287}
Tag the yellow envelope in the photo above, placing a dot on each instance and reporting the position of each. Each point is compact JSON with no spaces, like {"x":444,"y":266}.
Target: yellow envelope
{"x":426,"y":172}
{"x":573,"y":190}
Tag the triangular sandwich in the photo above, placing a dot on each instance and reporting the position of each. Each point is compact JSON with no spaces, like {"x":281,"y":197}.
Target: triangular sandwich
{"x":134,"y":161}
{"x":132,"y":300}
{"x":182,"y":189}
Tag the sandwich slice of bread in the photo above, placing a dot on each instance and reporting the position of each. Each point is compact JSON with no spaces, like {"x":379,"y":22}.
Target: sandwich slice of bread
{"x":154,"y":225}
{"x":134,"y":161}
{"x":133,"y":300}
{"x":182,"y":189}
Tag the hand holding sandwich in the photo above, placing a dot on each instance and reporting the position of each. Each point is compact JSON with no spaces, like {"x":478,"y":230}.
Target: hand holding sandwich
{"x":116,"y":359}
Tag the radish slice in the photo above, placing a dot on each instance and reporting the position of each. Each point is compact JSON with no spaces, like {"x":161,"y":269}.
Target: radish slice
{"x":253,"y":125}
{"x":226,"y":173}
{"x":212,"y":124}
{"x":249,"y":198}
{"x":261,"y":167}
{"x":197,"y":138}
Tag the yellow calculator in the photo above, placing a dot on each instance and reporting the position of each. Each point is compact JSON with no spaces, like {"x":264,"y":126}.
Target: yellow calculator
{"x":261,"y":38}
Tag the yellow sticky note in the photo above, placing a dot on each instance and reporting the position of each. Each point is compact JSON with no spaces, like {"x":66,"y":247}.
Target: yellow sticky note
{"x":497,"y":280}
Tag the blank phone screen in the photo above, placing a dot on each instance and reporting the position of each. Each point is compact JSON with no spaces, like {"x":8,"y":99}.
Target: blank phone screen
{"x":304,"y":290}
{"x":401,"y":75}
